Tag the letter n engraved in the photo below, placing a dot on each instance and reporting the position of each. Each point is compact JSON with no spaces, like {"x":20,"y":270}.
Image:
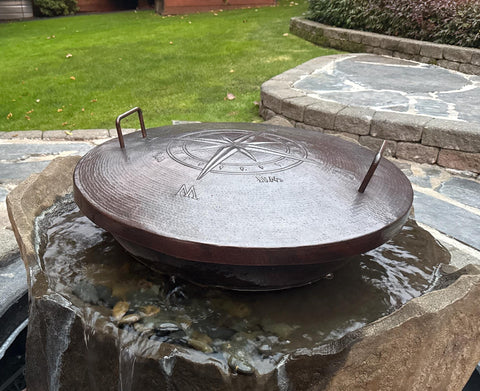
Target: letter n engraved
{"x":190,"y":193}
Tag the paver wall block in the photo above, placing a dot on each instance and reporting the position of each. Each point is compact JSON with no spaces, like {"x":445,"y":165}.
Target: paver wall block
{"x":476,"y":58}
{"x":90,"y":134}
{"x":417,"y":152}
{"x":389,"y":43}
{"x":402,"y":55}
{"x":289,"y":76}
{"x":334,"y":33}
{"x":470,"y":69}
{"x":409,"y":46}
{"x":36,"y":134}
{"x":322,"y":114}
{"x":316,"y":63}
{"x":459,"y":160}
{"x":57,"y":135}
{"x":457,"y":54}
{"x":382,"y":52}
{"x":398,"y":126}
{"x":372,"y":39}
{"x":279,"y":120}
{"x":125,"y":131}
{"x":301,"y":125}
{"x":354,"y":119}
{"x":265,"y":113}
{"x":432,"y":50}
{"x":375,"y":143}
{"x":452,"y":65}
{"x":273,"y":99}
{"x":350,"y":46}
{"x":354,"y":36}
{"x":344,"y":135}
{"x":275,"y":85}
{"x":457,"y":135}
{"x":294,"y":108}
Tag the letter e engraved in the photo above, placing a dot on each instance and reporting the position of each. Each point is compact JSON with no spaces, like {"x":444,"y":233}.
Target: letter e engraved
{"x":190,"y":193}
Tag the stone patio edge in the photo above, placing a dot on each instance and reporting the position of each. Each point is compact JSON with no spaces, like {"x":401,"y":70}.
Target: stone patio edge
{"x":457,"y":58}
{"x":452,"y":144}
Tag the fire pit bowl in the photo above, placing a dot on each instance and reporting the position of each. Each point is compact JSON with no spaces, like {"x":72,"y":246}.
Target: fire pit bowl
{"x":240,"y":205}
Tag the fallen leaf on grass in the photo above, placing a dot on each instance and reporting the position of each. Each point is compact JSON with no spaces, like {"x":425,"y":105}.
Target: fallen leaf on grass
{"x":59,"y":110}
{"x":27,"y":118}
{"x":83,"y":109}
{"x":230,"y":96}
{"x":38,"y":100}
{"x":69,"y":55}
{"x":64,"y":123}
{"x":72,"y":77}
{"x":256,"y":103}
{"x":231,"y":71}
{"x":285,"y":35}
{"x":30,"y":111}
{"x":9,"y":115}
{"x":93,"y":100}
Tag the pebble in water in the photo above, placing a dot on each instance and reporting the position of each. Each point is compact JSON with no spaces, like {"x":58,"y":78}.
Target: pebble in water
{"x":120,"y":309}
{"x":200,"y":345}
{"x":129,"y":319}
{"x":149,"y":310}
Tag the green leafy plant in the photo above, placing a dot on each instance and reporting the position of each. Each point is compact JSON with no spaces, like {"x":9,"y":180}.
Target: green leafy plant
{"x":454,"y":22}
{"x":56,"y":7}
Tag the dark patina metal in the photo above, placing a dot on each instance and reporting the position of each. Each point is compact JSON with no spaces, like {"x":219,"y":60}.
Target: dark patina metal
{"x":241,"y":205}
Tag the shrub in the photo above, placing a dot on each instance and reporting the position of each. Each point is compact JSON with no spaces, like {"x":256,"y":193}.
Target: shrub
{"x":56,"y":7}
{"x":455,"y":22}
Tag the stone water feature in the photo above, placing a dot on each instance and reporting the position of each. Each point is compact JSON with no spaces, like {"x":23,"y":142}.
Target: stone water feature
{"x":173,"y":335}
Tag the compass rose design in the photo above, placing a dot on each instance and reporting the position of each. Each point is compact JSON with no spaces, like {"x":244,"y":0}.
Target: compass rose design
{"x":235,"y":151}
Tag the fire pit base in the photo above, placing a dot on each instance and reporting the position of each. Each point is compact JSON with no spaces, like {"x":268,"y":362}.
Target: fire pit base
{"x":235,"y":277}
{"x":429,"y":343}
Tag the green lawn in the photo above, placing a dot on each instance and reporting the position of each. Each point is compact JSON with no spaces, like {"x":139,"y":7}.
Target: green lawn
{"x":179,"y":67}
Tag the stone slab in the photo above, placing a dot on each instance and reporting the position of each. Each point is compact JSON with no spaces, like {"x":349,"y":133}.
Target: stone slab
{"x":20,"y":171}
{"x":13,"y":282}
{"x":3,"y":193}
{"x":448,"y":219}
{"x":462,"y":190}
{"x":26,"y":134}
{"x":16,"y":151}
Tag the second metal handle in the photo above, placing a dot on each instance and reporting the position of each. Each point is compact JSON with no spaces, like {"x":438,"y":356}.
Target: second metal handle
{"x":126,"y":114}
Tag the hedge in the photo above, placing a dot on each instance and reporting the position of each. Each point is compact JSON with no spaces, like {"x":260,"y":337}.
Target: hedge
{"x":454,"y":22}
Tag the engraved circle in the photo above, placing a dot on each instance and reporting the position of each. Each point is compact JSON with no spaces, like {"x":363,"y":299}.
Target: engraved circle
{"x":234,"y":151}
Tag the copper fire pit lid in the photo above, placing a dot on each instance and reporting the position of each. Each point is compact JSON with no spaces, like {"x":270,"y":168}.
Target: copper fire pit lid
{"x":242,"y":194}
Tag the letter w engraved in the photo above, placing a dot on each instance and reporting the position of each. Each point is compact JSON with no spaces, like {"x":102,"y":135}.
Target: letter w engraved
{"x":190,"y":193}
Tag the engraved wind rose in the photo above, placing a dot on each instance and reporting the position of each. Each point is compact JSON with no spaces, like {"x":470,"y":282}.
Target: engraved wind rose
{"x":236,"y":152}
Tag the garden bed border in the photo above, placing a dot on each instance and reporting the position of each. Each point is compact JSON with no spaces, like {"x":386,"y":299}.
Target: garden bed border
{"x":457,"y":58}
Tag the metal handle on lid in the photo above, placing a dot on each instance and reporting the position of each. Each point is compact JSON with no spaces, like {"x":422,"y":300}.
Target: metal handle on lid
{"x":372,"y":168}
{"x":126,"y":114}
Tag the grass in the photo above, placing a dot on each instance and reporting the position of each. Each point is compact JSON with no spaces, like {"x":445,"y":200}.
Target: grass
{"x":179,"y":67}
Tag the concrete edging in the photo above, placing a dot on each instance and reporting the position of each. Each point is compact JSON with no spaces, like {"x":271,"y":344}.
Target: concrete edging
{"x":449,"y":143}
{"x":457,"y":58}
{"x":63,"y":135}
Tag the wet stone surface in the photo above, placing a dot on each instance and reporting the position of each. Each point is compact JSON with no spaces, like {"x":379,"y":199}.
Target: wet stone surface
{"x":462,"y":190}
{"x":392,"y":84}
{"x":248,"y":331}
{"x":449,"y":219}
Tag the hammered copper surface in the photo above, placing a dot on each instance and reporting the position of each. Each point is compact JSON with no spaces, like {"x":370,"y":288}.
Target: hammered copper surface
{"x":242,"y":194}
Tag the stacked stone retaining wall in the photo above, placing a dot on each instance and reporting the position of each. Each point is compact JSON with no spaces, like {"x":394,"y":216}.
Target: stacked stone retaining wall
{"x":466,"y":60}
{"x":449,"y":143}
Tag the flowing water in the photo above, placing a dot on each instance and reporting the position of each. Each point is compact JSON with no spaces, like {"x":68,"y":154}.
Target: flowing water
{"x":241,"y":328}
